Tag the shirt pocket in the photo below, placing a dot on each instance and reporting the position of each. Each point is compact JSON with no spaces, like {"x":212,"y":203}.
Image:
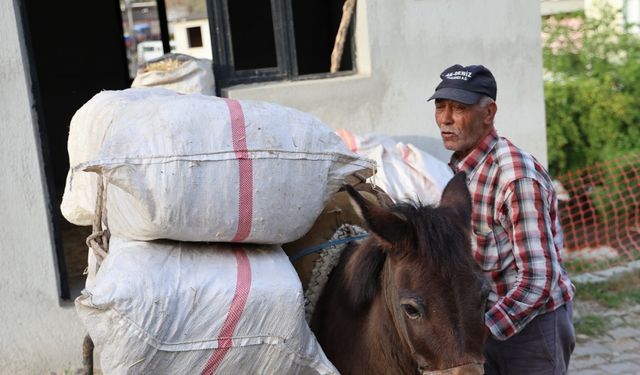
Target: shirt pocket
{"x":485,"y":250}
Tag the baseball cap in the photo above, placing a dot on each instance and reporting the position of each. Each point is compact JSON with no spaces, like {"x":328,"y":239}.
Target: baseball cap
{"x":465,"y":84}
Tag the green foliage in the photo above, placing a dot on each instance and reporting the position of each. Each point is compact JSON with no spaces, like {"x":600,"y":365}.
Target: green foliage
{"x":577,"y":266}
{"x":590,"y":325}
{"x":613,"y":293}
{"x":592,"y":89}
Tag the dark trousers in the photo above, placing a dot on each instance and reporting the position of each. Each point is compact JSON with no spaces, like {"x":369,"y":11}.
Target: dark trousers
{"x":543,"y":347}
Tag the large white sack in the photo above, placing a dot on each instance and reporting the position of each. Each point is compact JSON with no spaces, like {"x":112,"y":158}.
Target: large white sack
{"x":87,"y":131}
{"x":167,"y":307}
{"x":181,"y":167}
{"x":182,"y":73}
{"x":404,"y":171}
{"x":85,"y":137}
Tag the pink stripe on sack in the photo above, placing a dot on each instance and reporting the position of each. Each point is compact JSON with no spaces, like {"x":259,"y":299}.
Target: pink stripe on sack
{"x":349,"y":139}
{"x":405,"y":153}
{"x":243,"y":286}
{"x":245,"y":167}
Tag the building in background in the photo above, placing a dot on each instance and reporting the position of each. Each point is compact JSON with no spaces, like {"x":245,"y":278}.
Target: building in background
{"x":551,"y":7}
{"x":192,"y":37}
{"x":629,"y":9}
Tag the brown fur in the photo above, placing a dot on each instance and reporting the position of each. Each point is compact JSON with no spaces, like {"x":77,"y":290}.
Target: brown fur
{"x":424,"y":254}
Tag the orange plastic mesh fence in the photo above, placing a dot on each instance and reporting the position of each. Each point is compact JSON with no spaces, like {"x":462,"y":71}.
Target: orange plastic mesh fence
{"x":599,"y":211}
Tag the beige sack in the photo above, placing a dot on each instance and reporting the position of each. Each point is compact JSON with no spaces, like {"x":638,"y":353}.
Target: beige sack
{"x":181,"y":73}
{"x":199,"y":168}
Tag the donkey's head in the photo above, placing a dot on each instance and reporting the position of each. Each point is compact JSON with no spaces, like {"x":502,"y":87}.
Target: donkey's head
{"x":433,"y":289}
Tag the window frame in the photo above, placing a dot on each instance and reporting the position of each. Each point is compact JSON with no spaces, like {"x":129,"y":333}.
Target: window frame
{"x":284,"y":35}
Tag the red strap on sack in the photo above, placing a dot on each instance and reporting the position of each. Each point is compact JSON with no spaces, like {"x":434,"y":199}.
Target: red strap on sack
{"x":245,"y":167}
{"x":238,"y":303}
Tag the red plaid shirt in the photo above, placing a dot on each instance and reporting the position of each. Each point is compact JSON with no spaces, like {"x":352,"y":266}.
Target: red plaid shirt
{"x":516,"y":234}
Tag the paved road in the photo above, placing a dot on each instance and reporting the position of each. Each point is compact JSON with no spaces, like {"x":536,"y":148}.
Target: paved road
{"x":616,"y":352}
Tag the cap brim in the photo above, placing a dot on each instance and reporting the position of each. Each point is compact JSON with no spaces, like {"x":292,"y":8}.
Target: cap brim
{"x":458,"y":95}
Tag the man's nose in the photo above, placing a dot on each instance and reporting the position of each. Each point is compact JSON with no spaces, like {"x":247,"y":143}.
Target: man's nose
{"x":446,"y":116}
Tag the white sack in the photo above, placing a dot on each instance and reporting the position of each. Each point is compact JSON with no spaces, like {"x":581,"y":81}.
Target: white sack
{"x":404,"y":171}
{"x":178,"y":167}
{"x":167,"y":307}
{"x":87,"y":131}
{"x":190,"y":76}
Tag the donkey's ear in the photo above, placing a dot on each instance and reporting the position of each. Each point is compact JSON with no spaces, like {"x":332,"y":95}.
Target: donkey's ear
{"x":457,"y":198}
{"x":387,"y":225}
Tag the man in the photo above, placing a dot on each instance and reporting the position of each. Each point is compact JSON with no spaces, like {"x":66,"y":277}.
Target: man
{"x":516,"y":232}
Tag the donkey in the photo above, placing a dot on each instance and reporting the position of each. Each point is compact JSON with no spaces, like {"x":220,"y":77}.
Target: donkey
{"x":410,"y":298}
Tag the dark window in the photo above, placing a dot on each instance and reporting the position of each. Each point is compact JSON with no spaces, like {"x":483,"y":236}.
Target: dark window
{"x":252,"y":37}
{"x":315,"y":26}
{"x":194,"y":34}
{"x":261,"y":40}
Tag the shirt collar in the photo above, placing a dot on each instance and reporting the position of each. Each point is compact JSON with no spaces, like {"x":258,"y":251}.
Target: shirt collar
{"x":471,"y":161}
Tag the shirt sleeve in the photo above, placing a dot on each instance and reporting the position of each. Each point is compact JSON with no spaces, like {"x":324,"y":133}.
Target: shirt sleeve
{"x":525,"y":217}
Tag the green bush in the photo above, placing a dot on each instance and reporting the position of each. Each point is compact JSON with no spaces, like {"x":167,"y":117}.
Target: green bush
{"x":592,"y":89}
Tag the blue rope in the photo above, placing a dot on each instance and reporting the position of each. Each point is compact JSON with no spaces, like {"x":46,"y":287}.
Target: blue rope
{"x":325,"y":245}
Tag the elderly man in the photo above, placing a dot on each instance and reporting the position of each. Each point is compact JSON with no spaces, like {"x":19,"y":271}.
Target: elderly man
{"x":516,"y":233}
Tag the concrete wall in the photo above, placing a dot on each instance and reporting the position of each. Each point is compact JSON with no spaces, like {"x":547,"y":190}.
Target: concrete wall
{"x":37,"y":333}
{"x":403,"y":45}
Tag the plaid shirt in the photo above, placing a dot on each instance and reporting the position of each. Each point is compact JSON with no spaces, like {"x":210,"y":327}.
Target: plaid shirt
{"x":516,"y":234}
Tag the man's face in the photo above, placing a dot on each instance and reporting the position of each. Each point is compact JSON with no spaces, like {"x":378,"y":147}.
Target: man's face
{"x":463,"y":126}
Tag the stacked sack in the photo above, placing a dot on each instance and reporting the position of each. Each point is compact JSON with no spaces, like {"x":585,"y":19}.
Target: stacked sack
{"x":180,"y":172}
{"x":178,"y":72}
{"x":404,"y":171}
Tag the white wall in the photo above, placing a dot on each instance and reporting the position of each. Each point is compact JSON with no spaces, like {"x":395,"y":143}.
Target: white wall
{"x":37,"y":333}
{"x":182,"y":39}
{"x":403,"y":46}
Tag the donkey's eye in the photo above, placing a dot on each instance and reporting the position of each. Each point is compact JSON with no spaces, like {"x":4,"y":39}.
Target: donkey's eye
{"x":412,"y":311}
{"x":413,"y":306}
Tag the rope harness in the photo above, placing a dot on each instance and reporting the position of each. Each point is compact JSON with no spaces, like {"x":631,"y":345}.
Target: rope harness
{"x":98,"y":240}
{"x":325,"y":245}
{"x":330,"y":253}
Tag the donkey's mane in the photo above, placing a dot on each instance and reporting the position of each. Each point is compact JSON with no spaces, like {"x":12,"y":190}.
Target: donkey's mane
{"x":438,"y":236}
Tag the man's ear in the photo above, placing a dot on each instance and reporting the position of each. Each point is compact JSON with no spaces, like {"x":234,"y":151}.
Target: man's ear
{"x":490,"y":113}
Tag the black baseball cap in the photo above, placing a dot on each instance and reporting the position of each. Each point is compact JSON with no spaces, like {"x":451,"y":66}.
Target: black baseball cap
{"x":466,"y":84}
